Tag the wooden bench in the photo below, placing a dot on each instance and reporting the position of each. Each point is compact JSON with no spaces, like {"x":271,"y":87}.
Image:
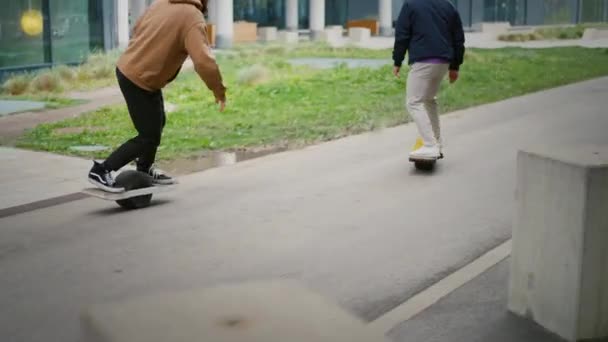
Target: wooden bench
{"x":370,"y":24}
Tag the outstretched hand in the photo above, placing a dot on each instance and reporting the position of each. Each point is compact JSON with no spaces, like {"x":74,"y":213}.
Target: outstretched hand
{"x":396,"y":71}
{"x":222,"y":104}
{"x":453,"y":76}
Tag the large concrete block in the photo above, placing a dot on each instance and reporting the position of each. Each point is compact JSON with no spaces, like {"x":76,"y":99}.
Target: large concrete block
{"x":288,"y":37}
{"x":497,"y":27}
{"x":492,"y":30}
{"x":267,"y":34}
{"x":261,"y":312}
{"x":359,"y":34}
{"x":331,"y":35}
{"x":559,"y":270}
{"x":595,"y":33}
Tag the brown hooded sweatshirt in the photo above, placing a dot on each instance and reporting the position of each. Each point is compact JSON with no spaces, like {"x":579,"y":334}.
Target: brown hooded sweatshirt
{"x":165,"y":35}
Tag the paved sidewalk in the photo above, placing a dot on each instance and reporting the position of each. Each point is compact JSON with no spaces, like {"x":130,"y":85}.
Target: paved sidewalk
{"x":474,"y":313}
{"x":35,"y":176}
{"x":350,"y":219}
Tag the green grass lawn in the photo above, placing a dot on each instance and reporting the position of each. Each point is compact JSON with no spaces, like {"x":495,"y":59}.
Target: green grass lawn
{"x":300,"y":105}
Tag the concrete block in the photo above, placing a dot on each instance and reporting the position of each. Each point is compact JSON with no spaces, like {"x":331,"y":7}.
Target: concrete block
{"x":359,"y":34}
{"x":267,"y":34}
{"x":260,"y":312}
{"x":559,"y":263}
{"x":493,"y":30}
{"x":338,"y":28}
{"x":595,"y":33}
{"x":288,"y":37}
{"x":497,"y":27}
{"x":331,"y":35}
{"x":244,"y":32}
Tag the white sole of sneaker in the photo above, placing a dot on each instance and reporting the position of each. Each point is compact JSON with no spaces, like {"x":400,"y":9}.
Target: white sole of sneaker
{"x":424,"y":158}
{"x":171,"y":182}
{"x":106,"y":188}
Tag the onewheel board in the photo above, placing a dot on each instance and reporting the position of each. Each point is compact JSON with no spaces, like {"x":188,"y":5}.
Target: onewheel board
{"x":423,"y":164}
{"x":108,"y":196}
{"x":138,"y":186}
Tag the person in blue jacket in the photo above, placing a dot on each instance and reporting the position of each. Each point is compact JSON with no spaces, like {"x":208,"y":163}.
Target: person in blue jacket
{"x":431,"y":32}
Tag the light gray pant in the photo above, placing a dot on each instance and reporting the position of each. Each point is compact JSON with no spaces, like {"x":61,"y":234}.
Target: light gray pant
{"x":423,"y":82}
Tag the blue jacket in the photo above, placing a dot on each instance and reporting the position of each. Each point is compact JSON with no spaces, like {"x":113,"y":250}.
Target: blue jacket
{"x":429,"y":29}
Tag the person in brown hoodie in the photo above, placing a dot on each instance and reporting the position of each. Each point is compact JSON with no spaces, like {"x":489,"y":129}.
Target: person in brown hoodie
{"x":165,"y":35}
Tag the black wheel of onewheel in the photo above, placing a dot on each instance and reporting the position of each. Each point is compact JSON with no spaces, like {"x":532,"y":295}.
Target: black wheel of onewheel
{"x":133,"y":180}
{"x":425,"y":165}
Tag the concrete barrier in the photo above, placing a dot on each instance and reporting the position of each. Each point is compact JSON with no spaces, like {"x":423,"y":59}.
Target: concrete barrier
{"x":359,"y":35}
{"x":245,"y":32}
{"x":493,"y":30}
{"x":267,"y":34}
{"x":498,"y":27}
{"x":261,"y":312}
{"x":288,"y":37}
{"x":595,"y":33}
{"x":338,"y":28}
{"x":371,"y":24}
{"x":331,"y":35}
{"x":559,"y":263}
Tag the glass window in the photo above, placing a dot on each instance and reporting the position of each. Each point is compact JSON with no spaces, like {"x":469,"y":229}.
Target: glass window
{"x":97,"y":25}
{"x":268,"y":12}
{"x":558,"y":12}
{"x":303,"y":13}
{"x":593,"y":10}
{"x":263,"y":12}
{"x":69,"y":30}
{"x":21,"y":33}
{"x":336,"y":12}
{"x":512,"y":11}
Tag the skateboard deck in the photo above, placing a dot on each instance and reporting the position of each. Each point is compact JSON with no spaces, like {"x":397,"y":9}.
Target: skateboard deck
{"x":110,"y":196}
{"x":139,"y":189}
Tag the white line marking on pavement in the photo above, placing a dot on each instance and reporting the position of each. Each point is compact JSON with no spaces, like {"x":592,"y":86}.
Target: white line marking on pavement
{"x":444,"y":287}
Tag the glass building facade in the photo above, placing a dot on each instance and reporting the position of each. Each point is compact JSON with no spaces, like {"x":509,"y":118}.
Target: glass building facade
{"x":268,"y":12}
{"x":592,"y":11}
{"x":516,"y":12}
{"x":532,"y":12}
{"x":39,"y":33}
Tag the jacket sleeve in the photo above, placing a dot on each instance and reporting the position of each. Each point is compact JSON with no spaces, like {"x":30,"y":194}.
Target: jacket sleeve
{"x":403,"y":34}
{"x":458,"y":42}
{"x":197,"y":46}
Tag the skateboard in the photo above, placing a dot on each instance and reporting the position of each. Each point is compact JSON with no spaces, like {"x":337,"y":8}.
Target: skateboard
{"x":423,"y":164}
{"x":138,"y":190}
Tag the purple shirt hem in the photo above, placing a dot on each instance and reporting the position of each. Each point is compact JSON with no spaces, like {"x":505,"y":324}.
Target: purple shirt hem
{"x":435,"y":61}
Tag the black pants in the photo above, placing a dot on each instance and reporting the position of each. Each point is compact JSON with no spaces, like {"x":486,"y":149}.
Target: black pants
{"x":147,"y":111}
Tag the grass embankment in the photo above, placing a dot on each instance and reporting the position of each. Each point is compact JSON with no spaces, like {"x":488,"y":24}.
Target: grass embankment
{"x":272,"y":102}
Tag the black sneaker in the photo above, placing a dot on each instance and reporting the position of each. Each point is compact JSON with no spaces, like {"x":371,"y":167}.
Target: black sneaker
{"x":158,"y":176}
{"x":102,"y":178}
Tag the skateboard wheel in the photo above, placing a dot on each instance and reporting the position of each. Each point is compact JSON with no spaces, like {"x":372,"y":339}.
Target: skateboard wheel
{"x":133,"y":180}
{"x":424,"y":165}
